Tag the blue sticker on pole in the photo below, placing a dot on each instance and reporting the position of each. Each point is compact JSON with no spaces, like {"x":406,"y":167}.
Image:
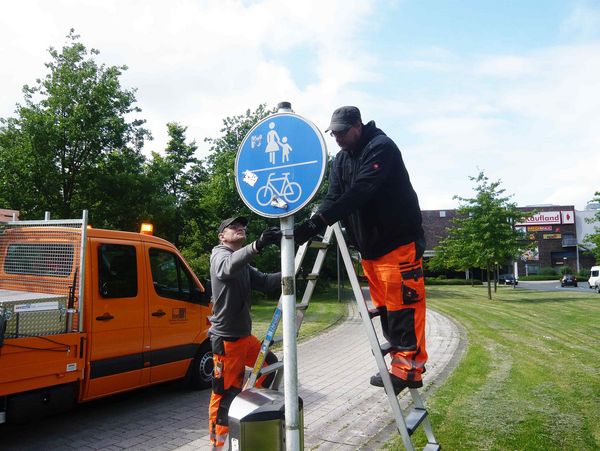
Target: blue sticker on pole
{"x":280,"y":165}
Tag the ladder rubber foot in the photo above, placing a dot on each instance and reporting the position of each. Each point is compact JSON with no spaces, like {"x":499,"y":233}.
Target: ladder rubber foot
{"x":432,"y":447}
{"x":414,"y":419}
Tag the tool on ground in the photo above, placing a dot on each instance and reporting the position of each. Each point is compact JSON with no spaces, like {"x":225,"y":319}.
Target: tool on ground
{"x":417,"y":415}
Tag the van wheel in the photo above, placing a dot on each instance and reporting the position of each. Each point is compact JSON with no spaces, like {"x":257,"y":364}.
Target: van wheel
{"x":202,"y":367}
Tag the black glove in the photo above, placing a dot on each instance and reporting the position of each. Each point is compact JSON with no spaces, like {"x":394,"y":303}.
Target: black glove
{"x":269,"y":236}
{"x":308,"y":229}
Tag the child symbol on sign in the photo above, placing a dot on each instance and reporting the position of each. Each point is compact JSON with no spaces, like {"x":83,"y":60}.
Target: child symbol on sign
{"x":285,"y":150}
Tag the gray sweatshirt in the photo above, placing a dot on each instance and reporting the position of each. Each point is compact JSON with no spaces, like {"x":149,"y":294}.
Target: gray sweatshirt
{"x":232,"y":279}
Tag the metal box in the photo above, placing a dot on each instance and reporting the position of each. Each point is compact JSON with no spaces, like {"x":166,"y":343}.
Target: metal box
{"x":257,"y":421}
{"x":32,"y":314}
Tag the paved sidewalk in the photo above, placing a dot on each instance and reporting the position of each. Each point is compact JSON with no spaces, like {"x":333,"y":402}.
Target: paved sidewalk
{"x":342,"y":411}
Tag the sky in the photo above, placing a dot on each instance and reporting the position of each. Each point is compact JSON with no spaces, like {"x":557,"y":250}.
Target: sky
{"x":511,"y":87}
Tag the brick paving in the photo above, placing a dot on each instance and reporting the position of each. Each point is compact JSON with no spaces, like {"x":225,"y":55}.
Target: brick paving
{"x":341,"y":410}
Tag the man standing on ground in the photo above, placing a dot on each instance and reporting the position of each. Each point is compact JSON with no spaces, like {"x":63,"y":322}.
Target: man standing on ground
{"x":233,"y":345}
{"x":371,"y":193}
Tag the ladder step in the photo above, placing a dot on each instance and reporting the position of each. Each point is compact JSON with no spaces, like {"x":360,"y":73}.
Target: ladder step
{"x":432,"y":447}
{"x":277,"y":340}
{"x":301,"y":306}
{"x":312,"y":276}
{"x":270,"y":368}
{"x":318,"y":244}
{"x":386,"y":348}
{"x":414,"y":419}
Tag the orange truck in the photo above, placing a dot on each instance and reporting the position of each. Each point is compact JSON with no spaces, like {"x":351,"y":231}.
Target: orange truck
{"x":86,"y":313}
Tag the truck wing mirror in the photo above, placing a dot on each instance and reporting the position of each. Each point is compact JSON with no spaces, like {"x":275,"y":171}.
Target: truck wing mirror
{"x":205,"y":297}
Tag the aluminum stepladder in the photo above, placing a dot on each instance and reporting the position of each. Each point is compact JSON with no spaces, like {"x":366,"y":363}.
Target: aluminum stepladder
{"x":418,"y":415}
{"x":301,"y":307}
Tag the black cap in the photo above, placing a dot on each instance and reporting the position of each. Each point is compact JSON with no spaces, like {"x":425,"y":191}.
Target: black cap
{"x":343,"y":118}
{"x":227,"y":222}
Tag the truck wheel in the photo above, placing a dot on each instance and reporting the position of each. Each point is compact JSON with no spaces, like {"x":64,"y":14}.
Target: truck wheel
{"x":202,"y":367}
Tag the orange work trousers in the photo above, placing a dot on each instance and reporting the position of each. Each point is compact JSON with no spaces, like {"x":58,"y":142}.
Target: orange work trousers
{"x":398,"y":291}
{"x":231,"y":356}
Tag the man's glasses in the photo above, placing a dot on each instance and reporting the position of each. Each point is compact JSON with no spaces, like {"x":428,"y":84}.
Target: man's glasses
{"x":339,"y":134}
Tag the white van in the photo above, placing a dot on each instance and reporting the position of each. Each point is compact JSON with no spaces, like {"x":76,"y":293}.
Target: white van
{"x":594,"y":279}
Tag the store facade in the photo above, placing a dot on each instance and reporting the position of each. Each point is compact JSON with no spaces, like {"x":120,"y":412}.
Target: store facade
{"x":552,"y":231}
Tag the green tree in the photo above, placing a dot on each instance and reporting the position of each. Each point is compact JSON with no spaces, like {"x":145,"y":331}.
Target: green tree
{"x":593,"y":239}
{"x":483,"y":232}
{"x":72,"y":123}
{"x":170,"y":180}
{"x":214,"y":196}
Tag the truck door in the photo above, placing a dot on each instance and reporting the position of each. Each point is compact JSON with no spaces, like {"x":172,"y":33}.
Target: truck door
{"x":117,"y":316}
{"x":175,"y":320}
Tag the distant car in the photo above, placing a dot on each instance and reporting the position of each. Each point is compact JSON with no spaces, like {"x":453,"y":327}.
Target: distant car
{"x":568,"y":280}
{"x":508,"y":279}
{"x":594,"y":277}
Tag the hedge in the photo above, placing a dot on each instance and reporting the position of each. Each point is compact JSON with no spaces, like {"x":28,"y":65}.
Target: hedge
{"x":441,"y":281}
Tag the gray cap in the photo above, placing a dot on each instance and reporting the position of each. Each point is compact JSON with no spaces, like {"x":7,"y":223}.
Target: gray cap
{"x":343,"y":118}
{"x":227,"y":222}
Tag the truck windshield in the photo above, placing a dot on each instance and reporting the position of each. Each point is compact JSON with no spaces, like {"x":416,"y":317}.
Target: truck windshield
{"x":39,"y":259}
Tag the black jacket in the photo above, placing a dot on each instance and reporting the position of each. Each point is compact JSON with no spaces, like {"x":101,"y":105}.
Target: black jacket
{"x":370,"y":191}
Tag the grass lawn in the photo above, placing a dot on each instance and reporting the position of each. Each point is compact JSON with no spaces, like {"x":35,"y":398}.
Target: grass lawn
{"x":324,"y":311}
{"x":530,"y":378}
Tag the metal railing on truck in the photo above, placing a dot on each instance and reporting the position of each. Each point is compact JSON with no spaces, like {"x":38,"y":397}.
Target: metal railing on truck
{"x":42,"y":276}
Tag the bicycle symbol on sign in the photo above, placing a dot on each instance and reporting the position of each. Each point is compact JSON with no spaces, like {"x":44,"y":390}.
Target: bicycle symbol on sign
{"x":290,"y":191}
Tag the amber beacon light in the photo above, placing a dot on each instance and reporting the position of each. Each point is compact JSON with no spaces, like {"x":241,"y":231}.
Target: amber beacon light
{"x":147,"y":229}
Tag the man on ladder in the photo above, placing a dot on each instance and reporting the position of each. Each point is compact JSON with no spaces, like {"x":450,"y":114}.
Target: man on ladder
{"x":371,"y":193}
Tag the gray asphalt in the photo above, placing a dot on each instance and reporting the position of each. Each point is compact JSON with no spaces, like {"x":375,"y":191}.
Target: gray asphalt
{"x":554,"y":285}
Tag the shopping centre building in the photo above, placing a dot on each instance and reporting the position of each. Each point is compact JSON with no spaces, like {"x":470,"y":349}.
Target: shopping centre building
{"x":558,"y":232}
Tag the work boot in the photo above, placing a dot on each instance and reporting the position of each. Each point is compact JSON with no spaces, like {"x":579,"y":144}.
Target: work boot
{"x":398,"y":383}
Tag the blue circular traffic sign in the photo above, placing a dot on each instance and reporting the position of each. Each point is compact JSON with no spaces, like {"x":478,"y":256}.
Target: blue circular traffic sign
{"x":280,"y":165}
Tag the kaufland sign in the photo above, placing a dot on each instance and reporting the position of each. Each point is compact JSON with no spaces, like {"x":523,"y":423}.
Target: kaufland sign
{"x":551,"y":217}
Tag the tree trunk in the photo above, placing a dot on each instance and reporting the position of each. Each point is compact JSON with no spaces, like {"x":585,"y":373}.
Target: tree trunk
{"x":489,"y":282}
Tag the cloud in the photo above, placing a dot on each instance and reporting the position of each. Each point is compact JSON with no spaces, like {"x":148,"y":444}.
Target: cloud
{"x":197,"y":62}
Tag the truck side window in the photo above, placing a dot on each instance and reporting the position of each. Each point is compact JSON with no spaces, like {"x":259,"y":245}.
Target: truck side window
{"x":117,"y":271}
{"x":170,"y":277}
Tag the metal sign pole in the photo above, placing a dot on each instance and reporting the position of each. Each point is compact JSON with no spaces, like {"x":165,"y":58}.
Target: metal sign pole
{"x":278,"y":170}
{"x":290,"y":357}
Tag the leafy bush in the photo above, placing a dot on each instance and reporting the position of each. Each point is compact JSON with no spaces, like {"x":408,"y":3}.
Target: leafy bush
{"x":565,"y":270}
{"x":445,"y":281}
{"x":584,"y":274}
{"x":548,"y":271}
{"x":538,"y":277}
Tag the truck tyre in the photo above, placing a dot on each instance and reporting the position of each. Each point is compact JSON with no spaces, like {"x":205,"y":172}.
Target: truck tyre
{"x":202,"y":367}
